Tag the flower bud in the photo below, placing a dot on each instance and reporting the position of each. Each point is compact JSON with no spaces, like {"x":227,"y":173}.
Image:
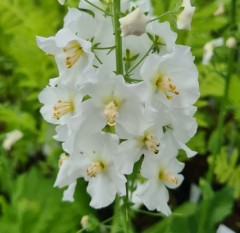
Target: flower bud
{"x":231,"y":42}
{"x":220,"y":10}
{"x":89,"y":223}
{"x":84,"y":221}
{"x":11,"y":138}
{"x":134,"y":23}
{"x":208,"y":49}
{"x":184,"y":19}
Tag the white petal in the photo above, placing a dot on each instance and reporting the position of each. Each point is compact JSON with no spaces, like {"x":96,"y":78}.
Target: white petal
{"x":155,"y":196}
{"x":102,"y":191}
{"x":69,"y":192}
{"x":129,"y":153}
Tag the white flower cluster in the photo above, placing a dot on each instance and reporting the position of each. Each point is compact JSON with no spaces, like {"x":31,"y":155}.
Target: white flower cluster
{"x":108,"y":122}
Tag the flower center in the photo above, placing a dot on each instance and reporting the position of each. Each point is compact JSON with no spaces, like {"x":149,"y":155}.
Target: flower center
{"x":73,"y":52}
{"x":95,"y":168}
{"x":165,"y":84}
{"x":167,"y":177}
{"x":62,"y":108}
{"x":151,"y":143}
{"x":110,"y":112}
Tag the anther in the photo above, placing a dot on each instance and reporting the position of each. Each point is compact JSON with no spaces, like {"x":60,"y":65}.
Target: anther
{"x":62,"y":108}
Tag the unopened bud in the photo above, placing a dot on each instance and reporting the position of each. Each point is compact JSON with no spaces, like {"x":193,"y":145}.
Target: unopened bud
{"x":231,"y":42}
{"x":184,"y":19}
{"x":134,"y":23}
{"x":84,"y":221}
{"x":89,"y":223}
{"x":11,"y":138}
{"x":220,"y":10}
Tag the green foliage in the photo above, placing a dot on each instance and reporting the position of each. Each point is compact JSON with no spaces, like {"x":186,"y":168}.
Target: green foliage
{"x":187,"y":216}
{"x":24,"y":71}
{"x":36,"y":207}
{"x":227,"y":169}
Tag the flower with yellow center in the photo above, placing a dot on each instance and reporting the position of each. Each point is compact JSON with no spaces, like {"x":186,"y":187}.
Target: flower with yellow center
{"x":113,"y":102}
{"x":110,"y":112}
{"x":72,"y":54}
{"x":73,"y":51}
{"x":165,"y":176}
{"x":96,"y":164}
{"x":150,"y":141}
{"x":61,"y":108}
{"x":60,"y":103}
{"x":147,"y":142}
{"x":164,"y":83}
{"x":162,"y":175}
{"x":172,"y":79}
{"x":95,"y":168}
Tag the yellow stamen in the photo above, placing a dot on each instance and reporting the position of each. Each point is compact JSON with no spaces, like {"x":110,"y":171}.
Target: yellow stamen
{"x":165,"y":84}
{"x":73,"y":52}
{"x":95,"y":169}
{"x":62,"y":108}
{"x":151,"y":143}
{"x":167,"y":177}
{"x":110,"y":112}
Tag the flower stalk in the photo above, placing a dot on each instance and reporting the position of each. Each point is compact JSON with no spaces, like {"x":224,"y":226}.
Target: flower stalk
{"x":118,"y":38}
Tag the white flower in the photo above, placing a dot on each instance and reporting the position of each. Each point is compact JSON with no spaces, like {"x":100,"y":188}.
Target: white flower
{"x":161,"y":172}
{"x":134,"y":23}
{"x":172,"y":79}
{"x":11,"y":138}
{"x":97,"y":30}
{"x":146,"y":141}
{"x":95,"y":163}
{"x":73,"y":54}
{"x":208,"y":49}
{"x":178,"y":125}
{"x":113,"y":102}
{"x":185,"y":17}
{"x":60,"y":103}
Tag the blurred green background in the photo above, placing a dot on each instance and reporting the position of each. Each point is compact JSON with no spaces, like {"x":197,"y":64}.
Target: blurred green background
{"x":28,"y":201}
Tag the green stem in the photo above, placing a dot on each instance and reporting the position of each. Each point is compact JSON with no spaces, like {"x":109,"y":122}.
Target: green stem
{"x":162,"y":15}
{"x":149,"y":213}
{"x":115,"y":222}
{"x":118,"y":38}
{"x":126,"y":211}
{"x":100,"y":9}
{"x":140,"y":61}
